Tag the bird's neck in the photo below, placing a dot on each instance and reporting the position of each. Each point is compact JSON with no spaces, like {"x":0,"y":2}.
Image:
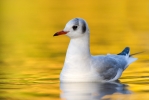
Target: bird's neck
{"x":78,"y":47}
{"x":78,"y":54}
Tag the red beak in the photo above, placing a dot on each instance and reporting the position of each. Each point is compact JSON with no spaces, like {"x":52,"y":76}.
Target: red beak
{"x":60,"y":33}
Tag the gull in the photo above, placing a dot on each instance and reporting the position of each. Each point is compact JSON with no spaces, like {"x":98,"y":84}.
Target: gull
{"x":81,"y":66}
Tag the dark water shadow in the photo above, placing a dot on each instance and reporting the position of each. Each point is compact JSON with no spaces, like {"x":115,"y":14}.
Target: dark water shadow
{"x":91,"y":91}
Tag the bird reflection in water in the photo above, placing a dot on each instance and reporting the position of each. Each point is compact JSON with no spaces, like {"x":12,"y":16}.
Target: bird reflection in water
{"x":91,"y":91}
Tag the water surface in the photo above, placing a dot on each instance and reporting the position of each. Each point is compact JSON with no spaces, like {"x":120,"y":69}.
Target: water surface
{"x":31,"y":58}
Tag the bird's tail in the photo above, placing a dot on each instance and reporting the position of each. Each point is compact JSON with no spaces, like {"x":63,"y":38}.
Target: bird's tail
{"x":136,"y":53}
{"x":125,"y":51}
{"x":130,"y":57}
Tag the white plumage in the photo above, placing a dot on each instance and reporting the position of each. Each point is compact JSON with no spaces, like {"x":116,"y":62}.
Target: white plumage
{"x":81,"y":66}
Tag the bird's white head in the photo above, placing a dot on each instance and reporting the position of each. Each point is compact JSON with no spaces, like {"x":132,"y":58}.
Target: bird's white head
{"x":76,"y":27}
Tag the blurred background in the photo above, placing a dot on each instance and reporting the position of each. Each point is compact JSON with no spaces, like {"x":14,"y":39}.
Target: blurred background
{"x":31,"y":56}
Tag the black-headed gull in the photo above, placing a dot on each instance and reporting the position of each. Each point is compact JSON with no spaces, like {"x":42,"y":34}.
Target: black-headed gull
{"x":81,"y":66}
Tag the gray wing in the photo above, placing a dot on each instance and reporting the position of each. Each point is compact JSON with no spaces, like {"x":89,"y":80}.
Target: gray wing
{"x":110,"y":65}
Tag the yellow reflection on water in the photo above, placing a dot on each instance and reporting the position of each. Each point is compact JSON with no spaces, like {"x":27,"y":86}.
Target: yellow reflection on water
{"x":29,"y":53}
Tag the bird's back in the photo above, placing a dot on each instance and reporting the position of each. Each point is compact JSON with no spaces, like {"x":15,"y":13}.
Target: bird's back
{"x":110,"y":67}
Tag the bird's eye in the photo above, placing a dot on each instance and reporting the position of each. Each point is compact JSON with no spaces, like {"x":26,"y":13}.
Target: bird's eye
{"x":74,"y":27}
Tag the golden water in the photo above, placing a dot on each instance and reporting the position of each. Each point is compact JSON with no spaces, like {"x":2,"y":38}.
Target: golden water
{"x":31,"y":58}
